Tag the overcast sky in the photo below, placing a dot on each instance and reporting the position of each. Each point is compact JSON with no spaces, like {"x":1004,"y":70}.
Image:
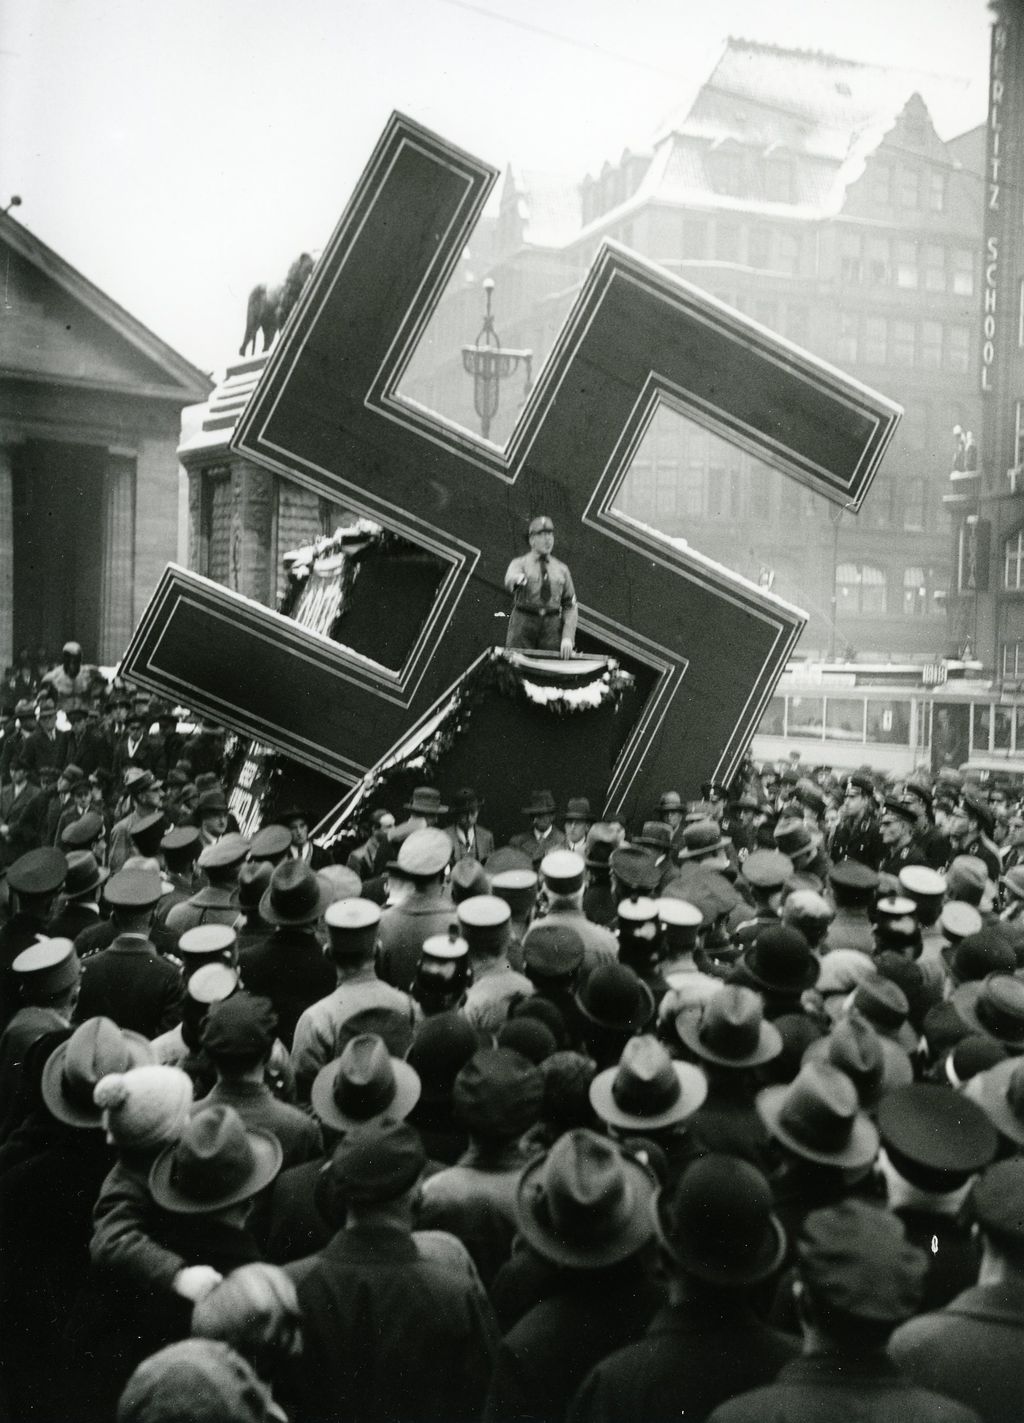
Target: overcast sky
{"x":179,"y":151}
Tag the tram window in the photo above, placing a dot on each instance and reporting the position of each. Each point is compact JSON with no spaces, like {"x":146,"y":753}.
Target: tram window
{"x":805,"y":716}
{"x":844,"y":718}
{"x":773,"y":723}
{"x":1003,"y":728}
{"x":889,"y":722}
{"x":981,"y":723}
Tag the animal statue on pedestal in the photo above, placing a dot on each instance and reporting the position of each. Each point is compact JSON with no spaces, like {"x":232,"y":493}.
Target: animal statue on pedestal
{"x":268,"y":307}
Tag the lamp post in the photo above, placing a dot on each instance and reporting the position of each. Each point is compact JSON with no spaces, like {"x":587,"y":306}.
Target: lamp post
{"x":489,"y":363}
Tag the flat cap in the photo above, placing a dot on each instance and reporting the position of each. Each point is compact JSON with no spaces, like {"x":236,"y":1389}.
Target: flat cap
{"x":767,"y":869}
{"x":552,"y":950}
{"x":242,"y":1025}
{"x":857,"y":1259}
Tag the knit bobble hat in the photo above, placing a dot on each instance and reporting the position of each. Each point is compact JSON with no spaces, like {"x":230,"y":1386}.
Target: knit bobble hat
{"x":145,"y":1107}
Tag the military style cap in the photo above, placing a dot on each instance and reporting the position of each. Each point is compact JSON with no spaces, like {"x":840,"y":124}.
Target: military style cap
{"x":425,"y":852}
{"x":207,"y":939}
{"x":47,"y":968}
{"x":484,"y":920}
{"x":271,"y":841}
{"x":134,"y":889}
{"x":180,"y":838}
{"x":223,"y":853}
{"x":38,"y":872}
{"x":767,"y":869}
{"x":563,"y":871}
{"x":352,"y":926}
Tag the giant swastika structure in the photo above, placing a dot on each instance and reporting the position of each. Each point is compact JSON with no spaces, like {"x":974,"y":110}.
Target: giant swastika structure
{"x":328,"y":414}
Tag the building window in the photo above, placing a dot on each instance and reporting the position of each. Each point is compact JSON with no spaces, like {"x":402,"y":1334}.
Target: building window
{"x":963,"y":271}
{"x":916,"y":586}
{"x":727,"y":241}
{"x":931,"y":345}
{"x":878,"y":268}
{"x":849,"y":256}
{"x":934,"y":263}
{"x":906,"y":265}
{"x":874,"y":340}
{"x":909,"y":187}
{"x":901,"y":343}
{"x":881,"y":184}
{"x":695,"y":237}
{"x":958,"y":348}
{"x":1013,"y":563}
{"x":759,"y":247}
{"x":937,"y":191}
{"x":913,"y":504}
{"x":788,"y":258}
{"x":860,"y":588}
{"x":1013,"y":661}
{"x":847,"y":337}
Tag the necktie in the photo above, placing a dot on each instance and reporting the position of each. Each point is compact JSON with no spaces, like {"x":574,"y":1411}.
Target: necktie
{"x":545,"y":581}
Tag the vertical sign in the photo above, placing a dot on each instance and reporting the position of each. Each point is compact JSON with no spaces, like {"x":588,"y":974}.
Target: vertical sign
{"x":993,"y":207}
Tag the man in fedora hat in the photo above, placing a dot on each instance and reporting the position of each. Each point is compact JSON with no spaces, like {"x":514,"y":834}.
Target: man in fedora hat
{"x":650,"y":1094}
{"x":544,"y":608}
{"x":470,"y":840}
{"x":47,"y":1195}
{"x":858,"y":1279}
{"x":129,"y":981}
{"x":425,"y":810}
{"x":423,"y":907}
{"x":145,"y":795}
{"x":970,"y":1350}
{"x":672,"y":810}
{"x":429,"y":1352}
{"x":21,"y":809}
{"x":289,"y":966}
{"x":586,"y":1209}
{"x":657,"y":837}
{"x":543,"y":835}
{"x":78,"y":907}
{"x":718,"y":1240}
{"x":577,"y":823}
{"x":352,"y":930}
{"x":825,"y":1141}
{"x":731,"y":1039}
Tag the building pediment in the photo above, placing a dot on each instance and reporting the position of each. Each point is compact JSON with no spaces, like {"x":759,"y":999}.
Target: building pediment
{"x":59,"y":328}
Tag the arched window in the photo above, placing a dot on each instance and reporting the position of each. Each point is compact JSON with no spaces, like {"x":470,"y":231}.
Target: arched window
{"x":1013,"y":562}
{"x":860,"y":588}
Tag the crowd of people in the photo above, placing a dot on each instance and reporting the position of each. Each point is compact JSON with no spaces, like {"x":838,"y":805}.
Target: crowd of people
{"x":715,"y":1116}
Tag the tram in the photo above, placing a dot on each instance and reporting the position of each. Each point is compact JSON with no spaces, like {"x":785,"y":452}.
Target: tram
{"x":895,"y":718}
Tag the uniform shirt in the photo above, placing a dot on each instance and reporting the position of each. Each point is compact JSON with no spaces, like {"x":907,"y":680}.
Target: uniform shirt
{"x":528,"y":597}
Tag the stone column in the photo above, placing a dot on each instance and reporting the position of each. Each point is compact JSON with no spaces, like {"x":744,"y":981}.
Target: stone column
{"x":6,"y":557}
{"x":117,"y":618}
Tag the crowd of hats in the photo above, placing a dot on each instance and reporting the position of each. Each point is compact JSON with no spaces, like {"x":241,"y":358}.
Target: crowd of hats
{"x":757,"y":1019}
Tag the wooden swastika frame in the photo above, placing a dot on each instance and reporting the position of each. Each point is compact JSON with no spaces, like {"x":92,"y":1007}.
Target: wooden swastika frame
{"x":328,"y":414}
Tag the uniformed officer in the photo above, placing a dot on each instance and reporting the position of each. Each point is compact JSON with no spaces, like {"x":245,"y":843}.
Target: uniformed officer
{"x":544,"y":611}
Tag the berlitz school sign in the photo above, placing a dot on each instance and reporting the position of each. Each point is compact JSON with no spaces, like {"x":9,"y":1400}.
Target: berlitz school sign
{"x":994,"y":198}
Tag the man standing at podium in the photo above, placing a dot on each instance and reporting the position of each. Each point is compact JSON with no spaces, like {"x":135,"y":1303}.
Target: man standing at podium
{"x":544,"y":609}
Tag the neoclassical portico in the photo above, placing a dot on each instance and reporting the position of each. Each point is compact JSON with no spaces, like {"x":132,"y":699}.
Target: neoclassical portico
{"x":90,"y":404}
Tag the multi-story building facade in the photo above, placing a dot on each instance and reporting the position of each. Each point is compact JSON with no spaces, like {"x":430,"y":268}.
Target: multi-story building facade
{"x":815,"y":195}
{"x":987,"y":504}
